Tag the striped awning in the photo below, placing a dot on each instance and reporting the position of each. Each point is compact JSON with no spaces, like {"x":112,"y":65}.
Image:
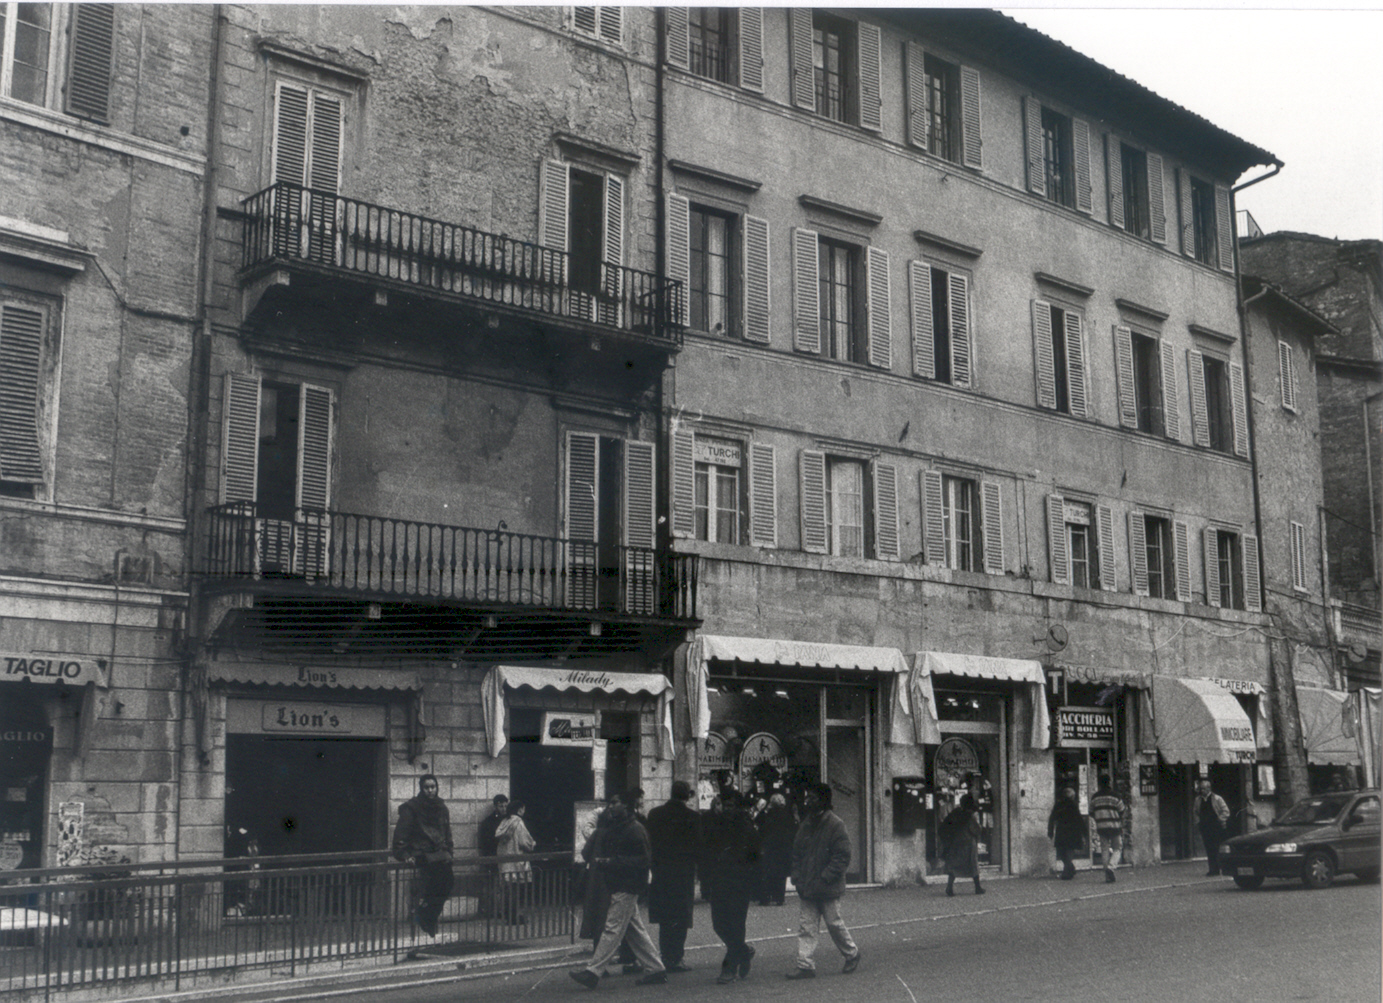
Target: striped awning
{"x":1199,"y":721}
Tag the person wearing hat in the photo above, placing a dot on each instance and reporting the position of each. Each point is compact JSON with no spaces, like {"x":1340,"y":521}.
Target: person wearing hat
{"x":487,"y":845}
{"x":820,"y":858}
{"x":674,"y":834}
{"x":1067,"y":830}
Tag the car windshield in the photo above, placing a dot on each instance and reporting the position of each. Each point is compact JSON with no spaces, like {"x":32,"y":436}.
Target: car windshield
{"x":1321,"y":809}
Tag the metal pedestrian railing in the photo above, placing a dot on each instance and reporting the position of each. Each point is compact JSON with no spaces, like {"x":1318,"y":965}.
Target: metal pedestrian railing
{"x":175,"y":924}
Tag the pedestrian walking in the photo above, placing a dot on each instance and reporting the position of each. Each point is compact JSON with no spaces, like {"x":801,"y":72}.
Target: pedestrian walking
{"x":516,"y":876}
{"x":423,"y":835}
{"x":1211,"y":815}
{"x":732,"y":852}
{"x":1108,"y":810}
{"x":675,"y":837}
{"x":623,"y":859}
{"x":777,"y":826}
{"x":1067,"y":830}
{"x":820,"y":858}
{"x":960,"y":844}
{"x":487,"y":847}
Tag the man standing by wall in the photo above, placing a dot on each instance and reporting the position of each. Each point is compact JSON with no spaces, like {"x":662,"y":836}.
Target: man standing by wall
{"x":820,"y":858}
{"x":674,"y":832}
{"x":487,"y":845}
{"x":1108,"y":810}
{"x":423,"y":835}
{"x":1211,"y":815}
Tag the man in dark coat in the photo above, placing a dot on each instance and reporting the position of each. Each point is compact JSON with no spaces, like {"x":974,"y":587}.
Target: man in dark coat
{"x":487,"y":845}
{"x":820,"y":858}
{"x":423,"y":835}
{"x":674,"y":832}
{"x":1067,"y":830}
{"x":732,"y":853}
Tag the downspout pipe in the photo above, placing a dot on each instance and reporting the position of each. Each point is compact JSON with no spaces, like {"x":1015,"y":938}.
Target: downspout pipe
{"x":664,"y":495}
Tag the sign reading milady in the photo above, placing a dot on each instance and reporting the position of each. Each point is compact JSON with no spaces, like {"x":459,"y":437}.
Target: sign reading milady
{"x":1084,"y":727}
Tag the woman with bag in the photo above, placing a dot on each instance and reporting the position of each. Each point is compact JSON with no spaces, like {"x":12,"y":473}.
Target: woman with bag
{"x":516,"y":876}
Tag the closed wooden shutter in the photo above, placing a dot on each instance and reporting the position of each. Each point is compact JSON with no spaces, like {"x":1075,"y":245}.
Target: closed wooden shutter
{"x":611,"y":24}
{"x":751,"y":46}
{"x":1238,"y":409}
{"x":880,"y":314}
{"x":933,"y":520}
{"x":1298,"y":556}
{"x":1171,"y":404}
{"x":869,"y":40}
{"x":1036,"y":157}
{"x":1157,"y":199}
{"x":1042,"y":350}
{"x":972,"y":145}
{"x":1253,"y":584}
{"x":584,"y":19}
{"x":1210,"y":545}
{"x":639,"y":501}
{"x":240,"y":439}
{"x":314,"y":447}
{"x":1080,"y":147}
{"x":800,"y":55}
{"x":1188,"y":223}
{"x":678,"y":36}
{"x":1123,"y":365}
{"x":763,"y":495}
{"x":1075,"y":362}
{"x":683,"y":485}
{"x":812,"y":485}
{"x":89,"y":60}
{"x":1287,"y":375}
{"x":1104,"y":523}
{"x":1200,"y":415}
{"x":1181,"y":542}
{"x":1224,"y":228}
{"x":554,"y":198}
{"x":679,"y":251}
{"x":923,"y":336}
{"x":1114,"y":178}
{"x":756,"y":272}
{"x":1138,"y":552}
{"x":1056,"y":540}
{"x":290,"y":134}
{"x":992,"y":516}
{"x":919,"y":123}
{"x":21,"y":350}
{"x":806,"y":293}
{"x":886,"y":542}
{"x":324,"y":169}
{"x":961,"y":374}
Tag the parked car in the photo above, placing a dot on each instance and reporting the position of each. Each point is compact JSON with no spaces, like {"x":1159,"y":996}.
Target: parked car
{"x":1314,"y":840}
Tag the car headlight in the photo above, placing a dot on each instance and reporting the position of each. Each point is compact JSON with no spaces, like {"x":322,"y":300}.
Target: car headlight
{"x":1282,"y":848}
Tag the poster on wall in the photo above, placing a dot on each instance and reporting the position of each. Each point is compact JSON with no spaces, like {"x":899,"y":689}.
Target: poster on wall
{"x":568,"y":728}
{"x":955,"y":760}
{"x":761,"y":750}
{"x":585,"y":814}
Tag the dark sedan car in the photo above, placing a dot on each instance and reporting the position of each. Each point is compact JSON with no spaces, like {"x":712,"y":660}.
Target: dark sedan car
{"x":1315,"y":839}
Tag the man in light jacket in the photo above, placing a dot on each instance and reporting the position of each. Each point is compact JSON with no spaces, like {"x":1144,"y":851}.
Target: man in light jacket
{"x":820,"y":858}
{"x":1212,"y":815}
{"x":1107,"y":809}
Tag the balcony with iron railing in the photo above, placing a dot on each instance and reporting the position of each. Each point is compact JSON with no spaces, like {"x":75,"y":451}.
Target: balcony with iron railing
{"x":289,"y":228}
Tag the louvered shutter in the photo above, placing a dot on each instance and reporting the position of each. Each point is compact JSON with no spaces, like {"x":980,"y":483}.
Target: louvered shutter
{"x":1224,"y":228}
{"x":314,"y":480}
{"x":290,"y":134}
{"x":1238,"y":409}
{"x":1056,"y":540}
{"x":1104,"y":522}
{"x":1157,"y":199}
{"x":21,"y":348}
{"x":679,"y":250}
{"x":554,"y":180}
{"x":1080,"y":146}
{"x":1114,"y":174}
{"x":756,"y":292}
{"x":763,"y":495}
{"x":992,"y":515}
{"x":800,"y":55}
{"x":806,"y":293}
{"x":1298,"y":556}
{"x":611,"y":24}
{"x":1138,"y":552}
{"x":1042,"y":348}
{"x":324,"y":168}
{"x":751,"y":46}
{"x":1171,"y":405}
{"x":683,"y":485}
{"x":1253,"y":585}
{"x":1181,"y":541}
{"x":584,"y":19}
{"x":886,"y":544}
{"x":639,"y":514}
{"x":933,"y":521}
{"x":1200,"y":415}
{"x":1123,"y":365}
{"x":812,"y":485}
{"x":240,"y":439}
{"x":972,"y":145}
{"x":923,"y":336}
{"x":89,"y":60}
{"x":960,"y":331}
{"x":1075,"y":362}
{"x":1188,"y":225}
{"x":582,"y":504}
{"x":612,"y":287}
{"x":869,"y":41}
{"x":880,"y":314}
{"x":678,"y":36}
{"x":1210,"y":545}
{"x":1036,"y":158}
{"x":915,"y":81}
{"x":1287,"y":375}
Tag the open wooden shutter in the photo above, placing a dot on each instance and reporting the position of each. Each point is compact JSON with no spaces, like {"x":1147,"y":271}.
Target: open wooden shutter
{"x":1123,"y":365}
{"x":756,"y":271}
{"x":21,"y":350}
{"x":880,"y":314}
{"x":683,"y":485}
{"x":1287,"y":375}
{"x":1138,"y":552}
{"x":1114,"y":178}
{"x":1171,"y":404}
{"x":1200,"y":415}
{"x":1056,"y":540}
{"x":923,"y":336}
{"x":960,"y":331}
{"x":89,"y":60}
{"x":1042,"y":349}
{"x":800,"y":55}
{"x":1181,"y":540}
{"x":1080,"y":147}
{"x":240,"y":439}
{"x":812,"y":485}
{"x":1075,"y":362}
{"x":972,"y":146}
{"x":613,"y":252}
{"x":314,"y":480}
{"x":751,"y":46}
{"x":919,"y":123}
{"x":933,"y":520}
{"x":806,"y":292}
{"x":992,"y":516}
{"x":1210,"y":546}
{"x":1188,"y":223}
{"x":639,"y":501}
{"x":554,"y":180}
{"x":886,"y":542}
{"x":1224,"y":228}
{"x":679,"y":250}
{"x":1036,"y":155}
{"x":1104,"y":522}
{"x":763,"y":495}
{"x":1253,"y":583}
{"x":678,"y":21}
{"x":1157,"y":199}
{"x":869,"y":40}
{"x":1238,"y":409}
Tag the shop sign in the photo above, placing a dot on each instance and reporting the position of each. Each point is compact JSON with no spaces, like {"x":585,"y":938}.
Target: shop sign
{"x":1244,"y":686}
{"x":568,"y":728}
{"x":309,"y":718}
{"x":955,"y":759}
{"x":721,"y":452}
{"x":1147,"y":780}
{"x":761,"y":748}
{"x":715,"y":752}
{"x":10,"y":855}
{"x":19,"y":667}
{"x":31,"y":736}
{"x":1084,"y":727}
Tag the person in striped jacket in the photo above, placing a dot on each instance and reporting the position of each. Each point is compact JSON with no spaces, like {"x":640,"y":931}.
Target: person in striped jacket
{"x":1108,"y":812}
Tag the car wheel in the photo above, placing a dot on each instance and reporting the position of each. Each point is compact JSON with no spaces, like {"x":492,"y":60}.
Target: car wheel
{"x":1249,"y":882}
{"x":1318,"y":870}
{"x":1369,"y":877}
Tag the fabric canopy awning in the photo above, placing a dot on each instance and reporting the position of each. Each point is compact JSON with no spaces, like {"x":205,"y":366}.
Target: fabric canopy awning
{"x":264,"y":674}
{"x":926,"y":664}
{"x":1199,"y":721}
{"x":581,"y":680}
{"x":1108,"y":677}
{"x":1325,"y":714}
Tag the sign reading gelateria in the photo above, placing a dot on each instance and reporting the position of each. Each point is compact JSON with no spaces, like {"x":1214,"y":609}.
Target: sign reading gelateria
{"x":19,"y":666}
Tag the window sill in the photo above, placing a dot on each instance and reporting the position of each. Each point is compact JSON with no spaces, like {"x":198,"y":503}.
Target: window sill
{"x":39,"y":117}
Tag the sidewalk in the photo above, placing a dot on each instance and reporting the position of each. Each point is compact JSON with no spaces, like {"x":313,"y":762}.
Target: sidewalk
{"x":771,"y":928}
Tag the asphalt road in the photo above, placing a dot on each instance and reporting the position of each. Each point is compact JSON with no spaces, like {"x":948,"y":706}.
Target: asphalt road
{"x":1169,"y":936}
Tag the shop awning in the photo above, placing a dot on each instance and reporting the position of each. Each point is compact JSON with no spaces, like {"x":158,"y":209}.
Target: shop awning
{"x":1325,"y":715}
{"x":566,"y":678}
{"x":260,"y":673}
{"x":1199,"y":721}
{"x":32,"y":667}
{"x":1024,"y":671}
{"x":1263,"y":724}
{"x":1108,"y":677}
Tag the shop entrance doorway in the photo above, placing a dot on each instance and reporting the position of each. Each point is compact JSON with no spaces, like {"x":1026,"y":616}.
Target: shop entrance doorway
{"x":1081,"y":770}
{"x":26,"y":744}
{"x":972,"y":759}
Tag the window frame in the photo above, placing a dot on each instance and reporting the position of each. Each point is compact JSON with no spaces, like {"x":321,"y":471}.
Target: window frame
{"x":837,"y":499}
{"x":58,"y":16}
{"x":707,"y":473}
{"x":729,"y":43}
{"x":961,"y":554}
{"x":927,"y":312}
{"x":698,"y":268}
{"x":1229,"y":569}
{"x":1150,"y":399}
{"x":854,"y":346}
{"x":1058,"y":157}
{"x":606,"y":23}
{"x":1161,"y":544}
{"x":1061,"y":372}
{"x":845,"y":32}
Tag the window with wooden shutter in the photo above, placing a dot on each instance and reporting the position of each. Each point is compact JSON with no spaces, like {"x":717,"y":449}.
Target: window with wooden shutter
{"x":1253,"y":583}
{"x":1187,"y":213}
{"x":1181,"y":536}
{"x":1138,"y":552}
{"x":869,"y":40}
{"x":1114,"y":178}
{"x":307,"y":137}
{"x":915,"y":95}
{"x":802,"y":64}
{"x":1157,"y":199}
{"x":89,"y":60}
{"x":1034,"y":147}
{"x":756,"y":272}
{"x":313,"y":523}
{"x":1238,"y":409}
{"x":923,"y":335}
{"x":1200,"y":414}
{"x":886,"y":541}
{"x":604,"y":23}
{"x":880,"y":312}
{"x":581,"y":508}
{"x":1123,"y":365}
{"x":1171,"y":406}
{"x":812,"y":498}
{"x":1210,"y":545}
{"x":21,"y":352}
{"x":960,"y":330}
{"x":972,"y":145}
{"x":1056,"y":540}
{"x":992,"y":521}
{"x":763,"y":495}
{"x":678,"y":27}
{"x":1104,"y":529}
{"x":554,"y":181}
{"x":1075,"y":363}
{"x":1298,"y":556}
{"x":933,"y":518}
{"x":639,"y":503}
{"x":683,"y":485}
{"x":1224,"y":229}
{"x":679,"y":250}
{"x":751,"y":48}
{"x":806,"y":292}
{"x":1287,"y":375}
{"x":1045,"y":365}
{"x":240,"y":440}
{"x":1080,"y":146}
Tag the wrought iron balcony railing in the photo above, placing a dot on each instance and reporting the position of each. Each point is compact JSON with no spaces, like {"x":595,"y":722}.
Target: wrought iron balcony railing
{"x":288,"y":222}
{"x":366,"y":554}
